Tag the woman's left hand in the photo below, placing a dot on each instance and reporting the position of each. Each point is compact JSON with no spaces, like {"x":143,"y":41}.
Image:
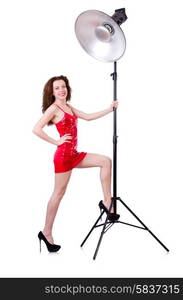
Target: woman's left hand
{"x":114,"y":104}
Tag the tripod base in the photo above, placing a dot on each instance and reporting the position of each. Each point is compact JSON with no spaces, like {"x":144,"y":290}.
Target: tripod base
{"x":107,"y":224}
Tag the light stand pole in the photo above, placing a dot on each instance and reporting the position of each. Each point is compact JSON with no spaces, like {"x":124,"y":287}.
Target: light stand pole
{"x":92,"y":28}
{"x":115,"y":137}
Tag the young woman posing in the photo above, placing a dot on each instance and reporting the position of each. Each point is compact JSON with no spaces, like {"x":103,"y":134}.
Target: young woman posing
{"x":56,"y":110}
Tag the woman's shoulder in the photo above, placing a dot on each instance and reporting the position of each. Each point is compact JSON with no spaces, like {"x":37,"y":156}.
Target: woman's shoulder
{"x":53,"y":107}
{"x":71,"y":106}
{"x":51,"y":110}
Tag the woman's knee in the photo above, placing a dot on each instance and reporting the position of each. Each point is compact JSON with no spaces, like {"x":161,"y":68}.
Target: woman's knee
{"x":106,"y":161}
{"x":59,"y":192}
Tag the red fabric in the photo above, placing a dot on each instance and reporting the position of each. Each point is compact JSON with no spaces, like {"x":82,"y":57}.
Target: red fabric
{"x":66,"y":156}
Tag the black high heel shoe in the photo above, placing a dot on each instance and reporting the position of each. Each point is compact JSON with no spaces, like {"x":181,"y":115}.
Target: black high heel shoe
{"x":50,"y":247}
{"x":111,"y":216}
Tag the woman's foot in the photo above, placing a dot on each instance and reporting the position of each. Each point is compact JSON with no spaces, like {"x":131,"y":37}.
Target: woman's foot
{"x":48,"y":236}
{"x":107,"y":204}
{"x":111,"y":215}
{"x":51,"y":247}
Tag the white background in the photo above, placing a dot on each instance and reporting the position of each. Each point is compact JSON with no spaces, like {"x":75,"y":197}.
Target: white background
{"x":38,"y":42}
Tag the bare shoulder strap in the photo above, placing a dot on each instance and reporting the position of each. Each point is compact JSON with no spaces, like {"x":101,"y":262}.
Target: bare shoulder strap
{"x":59,"y":107}
{"x":71,"y":108}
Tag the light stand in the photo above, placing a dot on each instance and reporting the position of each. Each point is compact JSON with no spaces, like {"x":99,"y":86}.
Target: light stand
{"x":105,"y":30}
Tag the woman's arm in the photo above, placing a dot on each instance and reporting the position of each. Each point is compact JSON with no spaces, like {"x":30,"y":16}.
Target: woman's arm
{"x":38,"y":128}
{"x":96,"y":115}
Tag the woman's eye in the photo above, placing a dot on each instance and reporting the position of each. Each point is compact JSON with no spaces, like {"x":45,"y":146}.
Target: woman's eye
{"x":63,"y":87}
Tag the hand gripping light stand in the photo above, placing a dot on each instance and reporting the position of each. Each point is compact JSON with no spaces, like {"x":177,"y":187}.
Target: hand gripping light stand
{"x":101,"y":37}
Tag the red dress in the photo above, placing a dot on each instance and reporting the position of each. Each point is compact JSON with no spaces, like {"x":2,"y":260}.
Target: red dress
{"x":66,"y":156}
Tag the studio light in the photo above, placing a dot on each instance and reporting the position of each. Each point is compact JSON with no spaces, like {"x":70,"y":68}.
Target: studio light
{"x":100,"y":35}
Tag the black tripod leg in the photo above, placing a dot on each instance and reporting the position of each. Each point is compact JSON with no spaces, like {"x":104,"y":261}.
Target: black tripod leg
{"x":91,"y":230}
{"x":144,"y":225}
{"x":100,"y":239}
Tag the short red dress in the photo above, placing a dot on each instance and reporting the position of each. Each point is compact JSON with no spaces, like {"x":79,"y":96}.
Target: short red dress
{"x":66,"y":156}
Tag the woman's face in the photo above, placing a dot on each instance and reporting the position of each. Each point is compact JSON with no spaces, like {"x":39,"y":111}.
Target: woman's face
{"x":59,"y":89}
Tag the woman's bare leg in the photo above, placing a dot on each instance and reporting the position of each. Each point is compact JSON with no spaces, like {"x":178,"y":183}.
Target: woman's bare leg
{"x":105,"y":164}
{"x":61,"y":181}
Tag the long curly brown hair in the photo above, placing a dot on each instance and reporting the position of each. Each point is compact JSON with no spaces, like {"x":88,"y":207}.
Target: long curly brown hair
{"x":48,"y":97}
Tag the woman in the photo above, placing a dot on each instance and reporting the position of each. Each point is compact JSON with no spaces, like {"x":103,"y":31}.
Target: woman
{"x":58,"y":111}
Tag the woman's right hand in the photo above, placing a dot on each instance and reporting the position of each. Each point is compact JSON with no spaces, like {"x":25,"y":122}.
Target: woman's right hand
{"x":64,"y":139}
